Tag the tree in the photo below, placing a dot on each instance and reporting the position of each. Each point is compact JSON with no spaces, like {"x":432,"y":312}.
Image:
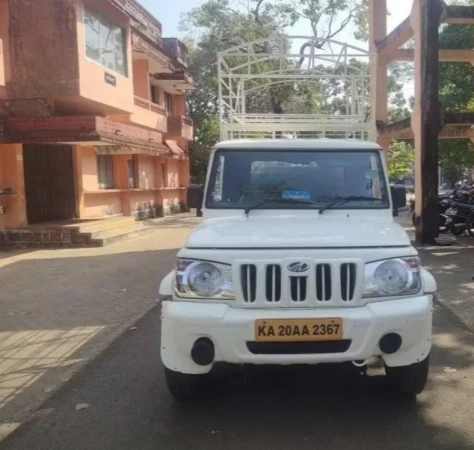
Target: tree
{"x":219,"y":24}
{"x":401,"y":160}
{"x":456,"y":95}
{"x":455,"y":157}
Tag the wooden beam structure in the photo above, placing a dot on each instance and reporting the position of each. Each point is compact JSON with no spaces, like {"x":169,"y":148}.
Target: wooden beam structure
{"x":425,"y":126}
{"x":408,"y":54}
{"x":426,"y":121}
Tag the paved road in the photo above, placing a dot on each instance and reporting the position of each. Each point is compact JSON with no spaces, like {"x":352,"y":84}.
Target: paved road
{"x":320,"y":408}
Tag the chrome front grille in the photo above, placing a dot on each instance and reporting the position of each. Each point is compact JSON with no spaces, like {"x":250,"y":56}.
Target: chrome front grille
{"x":248,"y":277}
{"x":348,"y":280}
{"x":273,"y":283}
{"x":298,"y":288}
{"x":323,"y":283}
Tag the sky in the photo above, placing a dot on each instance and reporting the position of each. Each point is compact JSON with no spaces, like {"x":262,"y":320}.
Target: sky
{"x":169,"y":13}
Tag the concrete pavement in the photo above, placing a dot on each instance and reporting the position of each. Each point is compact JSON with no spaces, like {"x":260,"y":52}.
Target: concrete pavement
{"x":60,"y":308}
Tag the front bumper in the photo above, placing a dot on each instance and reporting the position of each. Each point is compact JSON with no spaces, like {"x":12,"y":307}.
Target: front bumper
{"x":230,"y":329}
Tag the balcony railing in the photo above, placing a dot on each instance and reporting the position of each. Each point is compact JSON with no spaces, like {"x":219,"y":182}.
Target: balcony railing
{"x":180,"y":127}
{"x":175,"y":49}
{"x":150,"y":115}
{"x":149,"y":105}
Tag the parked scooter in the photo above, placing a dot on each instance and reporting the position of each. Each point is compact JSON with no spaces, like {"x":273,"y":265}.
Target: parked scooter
{"x":460,"y":218}
{"x":460,"y":214}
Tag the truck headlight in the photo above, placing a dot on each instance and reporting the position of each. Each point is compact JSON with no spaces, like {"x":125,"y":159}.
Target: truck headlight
{"x":392,"y":277}
{"x":203,"y":279}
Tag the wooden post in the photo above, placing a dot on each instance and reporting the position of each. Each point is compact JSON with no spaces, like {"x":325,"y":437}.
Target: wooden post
{"x":426,"y":17}
{"x":378,"y":63}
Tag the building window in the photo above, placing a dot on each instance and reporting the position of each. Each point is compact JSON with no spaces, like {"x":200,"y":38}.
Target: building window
{"x":105,"y":42}
{"x":132,"y":172}
{"x":154,"y":97}
{"x":168,"y":104}
{"x":105,"y":171}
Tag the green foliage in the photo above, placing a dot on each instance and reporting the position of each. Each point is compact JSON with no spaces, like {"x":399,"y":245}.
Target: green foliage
{"x":401,"y":160}
{"x":455,"y":156}
{"x":456,"y":95}
{"x":198,"y":159}
{"x":457,"y":79}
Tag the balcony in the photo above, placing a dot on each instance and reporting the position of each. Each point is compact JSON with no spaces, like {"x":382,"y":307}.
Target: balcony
{"x":176,"y":50}
{"x":149,"y":115}
{"x":142,"y":49}
{"x":176,"y":83}
{"x":180,"y":127}
{"x":83,"y":130}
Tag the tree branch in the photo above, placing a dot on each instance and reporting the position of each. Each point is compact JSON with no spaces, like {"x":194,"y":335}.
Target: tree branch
{"x":343,"y":25}
{"x":257,"y":12}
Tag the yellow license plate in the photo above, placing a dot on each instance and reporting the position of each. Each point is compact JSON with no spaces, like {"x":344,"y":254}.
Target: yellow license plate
{"x":284,"y":330}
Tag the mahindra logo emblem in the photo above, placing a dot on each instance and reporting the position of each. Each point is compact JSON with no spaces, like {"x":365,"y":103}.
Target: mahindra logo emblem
{"x":298,"y":267}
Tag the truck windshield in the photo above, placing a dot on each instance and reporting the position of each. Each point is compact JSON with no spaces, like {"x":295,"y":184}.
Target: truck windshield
{"x":242,"y":178}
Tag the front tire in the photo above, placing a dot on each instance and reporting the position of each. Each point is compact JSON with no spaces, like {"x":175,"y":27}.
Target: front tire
{"x":182,"y":386}
{"x":408,"y":381}
{"x":457,"y":231}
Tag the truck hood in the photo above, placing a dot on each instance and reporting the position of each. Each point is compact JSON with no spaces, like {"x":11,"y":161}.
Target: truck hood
{"x":297,"y":232}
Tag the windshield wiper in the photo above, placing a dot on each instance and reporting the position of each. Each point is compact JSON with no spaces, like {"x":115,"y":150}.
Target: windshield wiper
{"x":341,"y":200}
{"x":291,"y":201}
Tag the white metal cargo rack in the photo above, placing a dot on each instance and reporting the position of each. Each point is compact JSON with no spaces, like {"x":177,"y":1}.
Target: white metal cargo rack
{"x":295,"y":60}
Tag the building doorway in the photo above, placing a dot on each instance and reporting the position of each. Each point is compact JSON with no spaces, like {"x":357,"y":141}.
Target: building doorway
{"x":49,"y":182}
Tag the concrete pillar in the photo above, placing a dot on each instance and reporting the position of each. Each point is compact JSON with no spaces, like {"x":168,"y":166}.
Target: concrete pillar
{"x":166,"y":172}
{"x":184,"y":175}
{"x":378,"y":63}
{"x":78,"y":180}
{"x":158,"y":164}
{"x":385,"y":143}
{"x":425,"y":20}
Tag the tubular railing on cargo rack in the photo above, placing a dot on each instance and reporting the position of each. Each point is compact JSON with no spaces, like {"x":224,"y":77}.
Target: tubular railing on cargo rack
{"x":296,"y":118}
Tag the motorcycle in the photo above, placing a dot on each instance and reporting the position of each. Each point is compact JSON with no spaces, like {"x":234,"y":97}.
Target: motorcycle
{"x":460,"y":218}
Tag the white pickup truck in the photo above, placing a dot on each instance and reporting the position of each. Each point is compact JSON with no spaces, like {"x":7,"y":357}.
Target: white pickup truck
{"x":298,"y":260}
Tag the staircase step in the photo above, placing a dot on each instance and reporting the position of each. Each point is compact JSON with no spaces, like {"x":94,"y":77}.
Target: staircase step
{"x":103,"y":234}
{"x":103,"y":225}
{"x":113,"y":236}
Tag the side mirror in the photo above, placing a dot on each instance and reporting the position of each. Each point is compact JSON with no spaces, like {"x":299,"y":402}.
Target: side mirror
{"x":195,"y":196}
{"x":399,"y":197}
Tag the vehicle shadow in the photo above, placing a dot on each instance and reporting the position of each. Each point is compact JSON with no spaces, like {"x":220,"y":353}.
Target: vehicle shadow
{"x":326,"y":407}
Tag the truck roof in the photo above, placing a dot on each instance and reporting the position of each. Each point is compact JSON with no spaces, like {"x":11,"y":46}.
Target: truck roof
{"x":298,"y":144}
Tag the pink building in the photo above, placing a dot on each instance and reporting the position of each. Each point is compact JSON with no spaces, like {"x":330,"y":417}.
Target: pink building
{"x":92,"y":112}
